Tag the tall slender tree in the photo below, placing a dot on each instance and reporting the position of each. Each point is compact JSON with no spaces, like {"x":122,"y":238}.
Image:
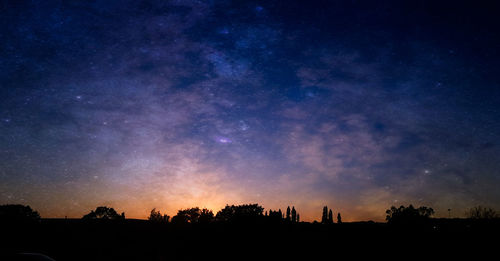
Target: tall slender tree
{"x":294,"y":215}
{"x":330,"y":217}
{"x":324,"y":217}
{"x":288,"y":214}
{"x":339,"y":219}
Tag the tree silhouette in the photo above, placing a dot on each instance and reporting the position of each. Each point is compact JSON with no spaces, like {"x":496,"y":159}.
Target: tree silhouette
{"x":155,"y":216}
{"x":18,"y":213}
{"x":324,"y":216}
{"x":206,"y":216}
{"x":408,"y":215}
{"x":193,"y":215}
{"x":480,"y":212}
{"x":288,"y":218}
{"x":274,"y":215}
{"x":104,"y":212}
{"x":339,"y":219}
{"x":294,"y":215}
{"x":241,"y":212}
{"x":330,"y":217}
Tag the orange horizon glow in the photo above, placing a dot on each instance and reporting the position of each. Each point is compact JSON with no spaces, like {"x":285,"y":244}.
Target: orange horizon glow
{"x":307,"y":214}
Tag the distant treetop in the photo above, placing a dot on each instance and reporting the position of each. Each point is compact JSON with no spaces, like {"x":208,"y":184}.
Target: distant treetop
{"x":240,"y":212}
{"x":193,"y":215}
{"x":104,"y":212}
{"x":408,"y":215}
{"x":157,"y":217}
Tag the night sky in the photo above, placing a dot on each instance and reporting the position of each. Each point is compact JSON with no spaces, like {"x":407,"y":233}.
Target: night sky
{"x":174,"y":104}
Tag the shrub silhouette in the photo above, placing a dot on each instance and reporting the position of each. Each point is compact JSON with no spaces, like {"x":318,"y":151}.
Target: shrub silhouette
{"x":104,"y":212}
{"x":408,"y":215}
{"x":18,"y":213}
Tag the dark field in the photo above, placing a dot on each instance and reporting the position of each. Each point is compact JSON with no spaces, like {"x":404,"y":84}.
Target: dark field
{"x":75,"y":239}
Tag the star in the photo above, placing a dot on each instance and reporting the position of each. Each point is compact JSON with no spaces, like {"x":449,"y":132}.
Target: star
{"x":224,"y":140}
{"x":243,"y":126}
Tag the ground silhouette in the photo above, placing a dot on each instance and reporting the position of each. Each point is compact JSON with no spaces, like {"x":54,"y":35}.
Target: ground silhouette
{"x":237,"y":232}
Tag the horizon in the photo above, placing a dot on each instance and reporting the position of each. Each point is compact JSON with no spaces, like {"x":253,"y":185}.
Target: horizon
{"x":314,"y":219}
{"x":477,"y":212}
{"x":358,"y":106}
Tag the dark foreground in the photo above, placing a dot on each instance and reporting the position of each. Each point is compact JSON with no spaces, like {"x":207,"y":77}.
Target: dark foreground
{"x":70,"y":239}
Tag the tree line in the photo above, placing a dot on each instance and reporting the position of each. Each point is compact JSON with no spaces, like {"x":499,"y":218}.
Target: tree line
{"x":233,"y":213}
{"x":243,"y":213}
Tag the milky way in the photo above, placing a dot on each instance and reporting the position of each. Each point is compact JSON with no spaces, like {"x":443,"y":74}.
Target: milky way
{"x":176,"y":104}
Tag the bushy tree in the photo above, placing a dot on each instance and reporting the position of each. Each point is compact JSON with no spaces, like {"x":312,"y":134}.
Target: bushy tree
{"x":206,"y":216}
{"x":244,"y":212}
{"x":408,"y":215}
{"x":104,"y":212}
{"x":481,"y":212}
{"x":193,"y":215}
{"x":18,"y":213}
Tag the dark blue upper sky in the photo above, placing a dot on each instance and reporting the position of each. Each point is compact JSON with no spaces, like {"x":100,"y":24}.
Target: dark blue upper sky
{"x":358,"y":105}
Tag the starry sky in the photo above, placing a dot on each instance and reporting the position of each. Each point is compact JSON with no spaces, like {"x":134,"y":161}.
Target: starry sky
{"x":358,"y":105}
